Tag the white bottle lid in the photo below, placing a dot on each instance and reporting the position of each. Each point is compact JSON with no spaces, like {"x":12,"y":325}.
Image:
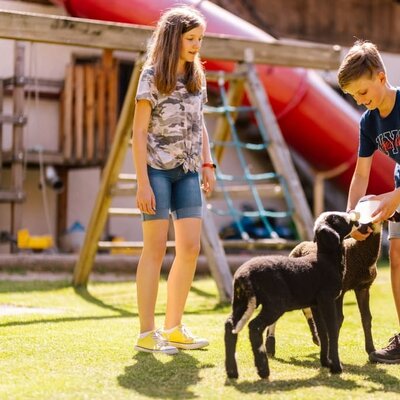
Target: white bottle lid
{"x":365,"y":208}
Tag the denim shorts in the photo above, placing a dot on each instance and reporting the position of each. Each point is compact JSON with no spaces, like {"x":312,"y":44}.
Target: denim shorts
{"x":176,"y":192}
{"x":394,"y":227}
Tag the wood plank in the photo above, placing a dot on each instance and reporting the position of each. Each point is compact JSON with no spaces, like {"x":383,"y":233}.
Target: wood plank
{"x":110,"y":121}
{"x":68,"y":112}
{"x":100,"y":113}
{"x":212,"y":248}
{"x":79,"y":81}
{"x":112,"y":95}
{"x":1,"y":129}
{"x":95,"y":34}
{"x":110,"y":173}
{"x":89,"y":110}
{"x":17,"y":166}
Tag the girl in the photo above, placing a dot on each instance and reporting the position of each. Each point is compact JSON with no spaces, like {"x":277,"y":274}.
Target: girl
{"x":170,"y":147}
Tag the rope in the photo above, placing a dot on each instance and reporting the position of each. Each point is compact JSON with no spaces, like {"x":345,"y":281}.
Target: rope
{"x":248,"y":178}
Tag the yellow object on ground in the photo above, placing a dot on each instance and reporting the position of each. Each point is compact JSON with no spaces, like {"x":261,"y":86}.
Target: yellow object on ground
{"x":26,"y":241}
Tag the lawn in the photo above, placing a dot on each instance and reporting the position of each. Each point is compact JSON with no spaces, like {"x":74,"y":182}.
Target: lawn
{"x":67,"y":344}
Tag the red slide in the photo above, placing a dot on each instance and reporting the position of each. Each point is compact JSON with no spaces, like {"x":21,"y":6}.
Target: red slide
{"x":314,"y":119}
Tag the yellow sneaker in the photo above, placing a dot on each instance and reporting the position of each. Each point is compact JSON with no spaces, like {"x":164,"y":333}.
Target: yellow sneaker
{"x":153,"y":342}
{"x":182,"y":338}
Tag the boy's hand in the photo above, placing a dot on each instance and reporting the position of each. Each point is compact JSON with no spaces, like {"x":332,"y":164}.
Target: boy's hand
{"x":362,"y":232}
{"x":388,"y":204}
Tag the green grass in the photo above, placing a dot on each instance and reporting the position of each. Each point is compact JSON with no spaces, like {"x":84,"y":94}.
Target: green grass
{"x":84,"y":349}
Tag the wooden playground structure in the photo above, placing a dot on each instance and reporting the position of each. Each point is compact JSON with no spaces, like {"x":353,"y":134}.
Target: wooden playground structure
{"x":93,"y":137}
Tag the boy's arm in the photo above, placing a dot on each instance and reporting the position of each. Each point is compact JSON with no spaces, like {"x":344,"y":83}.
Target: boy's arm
{"x":359,"y":182}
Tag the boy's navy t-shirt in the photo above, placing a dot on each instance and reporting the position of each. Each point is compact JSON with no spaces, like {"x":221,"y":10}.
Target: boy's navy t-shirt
{"x":377,"y":133}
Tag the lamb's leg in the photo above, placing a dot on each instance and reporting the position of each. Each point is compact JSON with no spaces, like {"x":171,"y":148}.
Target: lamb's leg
{"x":230,"y":349}
{"x":311,"y":324}
{"x":270,"y":340}
{"x":323,"y":337}
{"x":362,"y":297}
{"x":256,"y":329}
{"x":339,"y":311}
{"x":327,"y":310}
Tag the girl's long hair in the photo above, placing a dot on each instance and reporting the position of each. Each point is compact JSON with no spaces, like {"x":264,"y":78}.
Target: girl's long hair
{"x":165,"y":47}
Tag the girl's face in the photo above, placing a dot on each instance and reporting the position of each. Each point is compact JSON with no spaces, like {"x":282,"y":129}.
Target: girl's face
{"x":190,"y":45}
{"x":369,"y":92}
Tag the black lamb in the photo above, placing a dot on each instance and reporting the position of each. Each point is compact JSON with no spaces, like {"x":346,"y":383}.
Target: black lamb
{"x":360,"y":272}
{"x":280,"y":284}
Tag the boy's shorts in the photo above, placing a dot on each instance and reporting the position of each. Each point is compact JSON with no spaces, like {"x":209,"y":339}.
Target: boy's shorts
{"x":394,"y":227}
{"x":175,"y":191}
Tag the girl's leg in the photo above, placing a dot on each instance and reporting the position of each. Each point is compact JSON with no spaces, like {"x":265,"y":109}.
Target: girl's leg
{"x":187,"y":248}
{"x":148,"y":270}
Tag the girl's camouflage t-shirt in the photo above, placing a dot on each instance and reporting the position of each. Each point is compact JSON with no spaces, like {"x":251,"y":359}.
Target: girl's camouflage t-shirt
{"x":176,"y":124}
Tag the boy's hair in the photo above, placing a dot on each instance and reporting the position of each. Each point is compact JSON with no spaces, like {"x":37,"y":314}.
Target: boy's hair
{"x":165,"y":46}
{"x":362,"y":59}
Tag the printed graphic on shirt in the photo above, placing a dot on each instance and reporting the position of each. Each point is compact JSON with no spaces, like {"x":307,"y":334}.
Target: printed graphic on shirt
{"x":175,"y":129}
{"x":389,"y":142}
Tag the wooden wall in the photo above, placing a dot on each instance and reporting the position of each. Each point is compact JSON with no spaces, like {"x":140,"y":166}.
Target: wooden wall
{"x":324,"y":21}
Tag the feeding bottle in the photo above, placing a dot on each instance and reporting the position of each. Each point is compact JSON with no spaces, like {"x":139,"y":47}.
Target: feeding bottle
{"x":365,"y":208}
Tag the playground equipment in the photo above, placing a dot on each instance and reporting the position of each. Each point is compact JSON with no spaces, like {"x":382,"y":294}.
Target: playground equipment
{"x":314,"y":119}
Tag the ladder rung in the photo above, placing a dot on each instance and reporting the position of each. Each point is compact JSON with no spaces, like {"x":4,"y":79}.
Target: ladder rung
{"x":123,"y":211}
{"x":7,"y":196}
{"x":260,"y":244}
{"x":123,"y":189}
{"x":231,"y":109}
{"x":213,"y":76}
{"x":126,"y":245}
{"x":239,"y":192}
{"x":127,"y":177}
{"x":249,"y":177}
{"x":248,"y":146}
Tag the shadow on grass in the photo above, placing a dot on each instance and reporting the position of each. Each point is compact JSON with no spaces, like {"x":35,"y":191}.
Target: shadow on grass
{"x":32,"y":286}
{"x":163,"y":376}
{"x":87,"y":296}
{"x":383,"y":381}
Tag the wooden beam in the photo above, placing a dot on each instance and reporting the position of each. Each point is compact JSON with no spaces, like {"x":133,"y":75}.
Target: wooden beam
{"x":112,"y":35}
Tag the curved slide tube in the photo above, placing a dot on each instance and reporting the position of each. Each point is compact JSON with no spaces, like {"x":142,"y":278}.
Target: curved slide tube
{"x":315,"y":121}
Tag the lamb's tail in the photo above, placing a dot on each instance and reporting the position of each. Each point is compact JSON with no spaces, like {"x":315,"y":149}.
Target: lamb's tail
{"x":243,"y":305}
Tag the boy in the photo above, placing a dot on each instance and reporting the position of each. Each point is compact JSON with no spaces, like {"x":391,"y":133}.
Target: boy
{"x":362,"y":74}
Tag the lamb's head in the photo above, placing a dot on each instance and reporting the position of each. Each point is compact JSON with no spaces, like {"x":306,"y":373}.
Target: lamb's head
{"x":331,"y":228}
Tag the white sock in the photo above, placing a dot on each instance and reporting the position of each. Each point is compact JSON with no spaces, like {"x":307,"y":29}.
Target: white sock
{"x":144,"y":334}
{"x":170,"y":330}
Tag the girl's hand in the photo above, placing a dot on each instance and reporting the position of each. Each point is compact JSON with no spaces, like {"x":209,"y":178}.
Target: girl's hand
{"x":208,"y":179}
{"x":145,"y":199}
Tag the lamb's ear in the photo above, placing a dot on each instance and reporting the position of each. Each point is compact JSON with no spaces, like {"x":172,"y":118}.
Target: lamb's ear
{"x":327,"y":239}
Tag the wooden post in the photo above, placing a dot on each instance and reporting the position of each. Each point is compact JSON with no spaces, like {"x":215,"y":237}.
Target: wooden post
{"x":17,"y":168}
{"x":109,"y":177}
{"x":216,"y":258}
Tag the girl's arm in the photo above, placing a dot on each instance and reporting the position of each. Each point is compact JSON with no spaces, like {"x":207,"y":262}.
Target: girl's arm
{"x":145,"y":199}
{"x":208,"y":173}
